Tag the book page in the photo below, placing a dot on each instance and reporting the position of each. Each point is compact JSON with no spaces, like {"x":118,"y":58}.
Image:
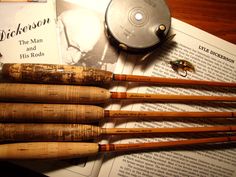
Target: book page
{"x":214,"y":60}
{"x":28,"y":33}
{"x":82,"y":35}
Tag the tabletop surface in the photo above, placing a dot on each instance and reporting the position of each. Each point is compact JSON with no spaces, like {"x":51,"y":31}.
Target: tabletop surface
{"x":217,"y":17}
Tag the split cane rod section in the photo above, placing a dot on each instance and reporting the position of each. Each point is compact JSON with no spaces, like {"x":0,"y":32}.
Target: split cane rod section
{"x":73,"y":113}
{"x":77,"y":75}
{"x":77,"y":132}
{"x":43,"y":93}
{"x":66,"y":150}
{"x":41,"y":120}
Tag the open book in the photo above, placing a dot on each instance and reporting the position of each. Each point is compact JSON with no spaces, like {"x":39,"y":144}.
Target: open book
{"x":213,"y":59}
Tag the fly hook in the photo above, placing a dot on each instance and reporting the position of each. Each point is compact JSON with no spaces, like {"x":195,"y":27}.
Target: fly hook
{"x":182,"y":67}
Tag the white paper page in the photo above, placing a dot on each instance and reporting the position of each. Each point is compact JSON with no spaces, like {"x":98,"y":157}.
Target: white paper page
{"x":28,"y":33}
{"x":216,"y":62}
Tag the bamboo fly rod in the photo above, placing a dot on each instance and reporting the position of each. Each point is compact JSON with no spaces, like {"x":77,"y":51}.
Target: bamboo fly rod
{"x":90,"y":95}
{"x":72,"y":113}
{"x":77,"y":132}
{"x":67,"y":150}
{"x":63,"y":74}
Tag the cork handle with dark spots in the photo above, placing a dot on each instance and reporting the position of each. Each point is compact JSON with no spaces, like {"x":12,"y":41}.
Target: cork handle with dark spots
{"x":58,"y":74}
{"x":48,"y":132}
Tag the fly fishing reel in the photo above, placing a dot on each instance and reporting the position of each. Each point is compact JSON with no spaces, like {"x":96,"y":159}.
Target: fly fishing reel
{"x":137,"y":25}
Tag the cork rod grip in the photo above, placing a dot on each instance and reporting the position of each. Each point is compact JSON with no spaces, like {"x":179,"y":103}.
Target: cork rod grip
{"x":49,"y":113}
{"x":76,"y":132}
{"x":61,"y":150}
{"x":53,"y":93}
{"x":59,"y":74}
{"x":47,"y":150}
{"x":48,"y":132}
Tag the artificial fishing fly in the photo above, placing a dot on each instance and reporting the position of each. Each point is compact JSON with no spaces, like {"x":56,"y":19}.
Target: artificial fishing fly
{"x":182,"y":67}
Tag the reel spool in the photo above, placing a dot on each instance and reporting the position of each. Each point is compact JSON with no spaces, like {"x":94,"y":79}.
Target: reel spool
{"x":137,"y":25}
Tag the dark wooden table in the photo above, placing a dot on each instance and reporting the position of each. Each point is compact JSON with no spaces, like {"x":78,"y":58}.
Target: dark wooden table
{"x":217,"y":17}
